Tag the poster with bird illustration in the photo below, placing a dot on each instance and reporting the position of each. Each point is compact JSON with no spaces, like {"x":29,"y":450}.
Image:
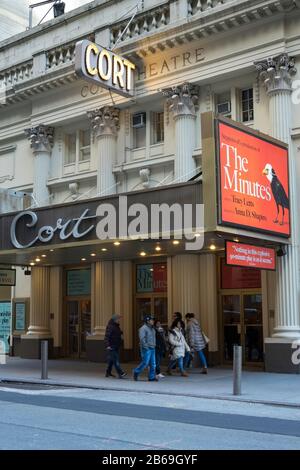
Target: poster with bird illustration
{"x":253,"y":181}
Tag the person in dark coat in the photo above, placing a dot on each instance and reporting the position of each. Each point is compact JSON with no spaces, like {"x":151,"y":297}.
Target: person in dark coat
{"x":196,"y":339}
{"x":161,"y":347}
{"x":113,"y":341}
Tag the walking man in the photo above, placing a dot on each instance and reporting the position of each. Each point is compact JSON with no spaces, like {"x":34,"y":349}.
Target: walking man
{"x":147,"y":344}
{"x":113,"y":341}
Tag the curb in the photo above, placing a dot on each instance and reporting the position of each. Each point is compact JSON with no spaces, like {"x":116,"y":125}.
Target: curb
{"x":12,"y":380}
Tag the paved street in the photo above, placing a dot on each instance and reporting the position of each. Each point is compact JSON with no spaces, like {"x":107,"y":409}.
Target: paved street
{"x":57,"y":418}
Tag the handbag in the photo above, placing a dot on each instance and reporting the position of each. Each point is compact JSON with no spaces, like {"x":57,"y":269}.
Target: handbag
{"x":206,"y":339}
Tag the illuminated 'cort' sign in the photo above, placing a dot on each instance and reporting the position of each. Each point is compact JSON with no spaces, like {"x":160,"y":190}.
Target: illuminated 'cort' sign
{"x":103,"y":67}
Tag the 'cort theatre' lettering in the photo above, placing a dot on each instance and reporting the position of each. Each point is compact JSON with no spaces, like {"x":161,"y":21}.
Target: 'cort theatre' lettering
{"x":103,"y":67}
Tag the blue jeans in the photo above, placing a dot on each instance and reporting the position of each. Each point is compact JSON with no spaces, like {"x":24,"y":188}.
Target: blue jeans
{"x":202,"y":358}
{"x":113,"y":360}
{"x":172,"y":363}
{"x":148,"y":359}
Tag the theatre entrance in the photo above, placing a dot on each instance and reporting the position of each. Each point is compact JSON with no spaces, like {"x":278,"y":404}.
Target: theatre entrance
{"x":79,"y":326}
{"x":151,"y":296}
{"x":241,"y":313}
{"x":77,"y":312}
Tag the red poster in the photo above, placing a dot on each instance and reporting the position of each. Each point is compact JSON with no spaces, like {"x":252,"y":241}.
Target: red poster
{"x":254,"y":183}
{"x":250,"y":256}
{"x":160,"y":283}
{"x":239,"y":278}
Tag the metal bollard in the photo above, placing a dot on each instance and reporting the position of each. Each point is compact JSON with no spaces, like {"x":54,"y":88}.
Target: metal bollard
{"x":44,"y":358}
{"x":237,"y":369}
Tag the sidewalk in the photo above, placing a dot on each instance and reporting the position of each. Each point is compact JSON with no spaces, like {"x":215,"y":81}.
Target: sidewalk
{"x":257,"y":387}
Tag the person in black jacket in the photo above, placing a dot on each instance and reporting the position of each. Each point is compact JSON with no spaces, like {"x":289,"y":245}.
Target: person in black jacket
{"x":113,"y":341}
{"x":161,"y":347}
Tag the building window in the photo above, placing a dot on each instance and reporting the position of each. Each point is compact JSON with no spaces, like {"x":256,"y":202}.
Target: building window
{"x":223,"y":104}
{"x":77,"y":147}
{"x":247,"y":105}
{"x":158,"y":131}
{"x":139,"y":130}
{"x":85,"y":145}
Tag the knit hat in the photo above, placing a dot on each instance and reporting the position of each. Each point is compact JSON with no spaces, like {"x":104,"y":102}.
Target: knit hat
{"x":148,"y":318}
{"x":116,"y":317}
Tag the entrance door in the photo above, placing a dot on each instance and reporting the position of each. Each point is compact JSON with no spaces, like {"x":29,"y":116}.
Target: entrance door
{"x":155,"y":305}
{"x":242,"y":324}
{"x":79,"y":326}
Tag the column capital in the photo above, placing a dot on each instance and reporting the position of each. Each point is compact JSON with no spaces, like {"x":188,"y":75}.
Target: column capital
{"x":105,"y":121}
{"x":182,"y":100}
{"x":276,"y":73}
{"x":41,"y":137}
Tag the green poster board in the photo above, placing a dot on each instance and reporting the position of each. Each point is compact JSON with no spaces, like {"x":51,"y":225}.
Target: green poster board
{"x":79,"y":282}
{"x":5,"y":325}
{"x":20,"y":320}
{"x":144,"y":278}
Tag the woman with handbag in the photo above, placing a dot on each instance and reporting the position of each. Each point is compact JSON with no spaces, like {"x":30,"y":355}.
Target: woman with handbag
{"x":196,"y":339}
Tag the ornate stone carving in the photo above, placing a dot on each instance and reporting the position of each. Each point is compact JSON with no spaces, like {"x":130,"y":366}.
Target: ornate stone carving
{"x":105,"y":121}
{"x":41,"y":137}
{"x":276,"y":72}
{"x":182,"y":99}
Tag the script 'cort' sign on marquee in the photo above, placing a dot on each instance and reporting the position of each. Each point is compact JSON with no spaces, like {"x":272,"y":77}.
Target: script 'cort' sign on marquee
{"x":253,"y":181}
{"x":104,"y":68}
{"x":250,"y":256}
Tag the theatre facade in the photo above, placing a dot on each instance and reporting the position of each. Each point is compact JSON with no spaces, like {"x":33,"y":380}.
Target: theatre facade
{"x":153,"y":168}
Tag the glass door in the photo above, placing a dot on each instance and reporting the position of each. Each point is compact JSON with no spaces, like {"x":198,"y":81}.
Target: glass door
{"x":79,"y":326}
{"x":231,"y":314}
{"x":155,"y":305}
{"x":243,"y":325}
{"x":253,"y":327}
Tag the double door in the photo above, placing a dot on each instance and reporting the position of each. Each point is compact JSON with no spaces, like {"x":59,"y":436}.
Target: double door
{"x":155,"y":305}
{"x":242,"y":324}
{"x":79,"y":326}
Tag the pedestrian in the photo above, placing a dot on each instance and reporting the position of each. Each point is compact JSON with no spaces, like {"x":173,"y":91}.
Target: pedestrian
{"x":179,"y":347}
{"x":147,"y":338}
{"x":196,"y":339}
{"x":161,"y":347}
{"x":113,"y":341}
{"x":187,"y":358}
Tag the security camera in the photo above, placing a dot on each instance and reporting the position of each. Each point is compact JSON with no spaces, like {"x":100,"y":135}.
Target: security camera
{"x":27,"y":272}
{"x":282,"y":251}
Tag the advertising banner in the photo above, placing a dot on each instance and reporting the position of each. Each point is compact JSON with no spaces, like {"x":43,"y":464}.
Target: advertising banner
{"x":250,"y":256}
{"x":5,"y":324}
{"x":151,"y":278}
{"x":253,"y":181}
{"x":7,"y":277}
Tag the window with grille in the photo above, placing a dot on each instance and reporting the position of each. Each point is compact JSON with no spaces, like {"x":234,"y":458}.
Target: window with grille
{"x":247,"y":105}
{"x":158,"y":130}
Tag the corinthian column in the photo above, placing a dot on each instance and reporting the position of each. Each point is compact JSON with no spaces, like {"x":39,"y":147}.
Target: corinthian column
{"x":40,"y":303}
{"x":182,"y":101}
{"x":102,"y":297}
{"x":276,"y":74}
{"x":105,"y":126}
{"x":41,"y":138}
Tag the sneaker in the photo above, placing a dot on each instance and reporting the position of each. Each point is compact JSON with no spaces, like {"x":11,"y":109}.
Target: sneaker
{"x":204,"y":370}
{"x":109,"y":375}
{"x":135,"y":376}
{"x":121,"y":376}
{"x":161,"y":376}
{"x":153,"y":380}
{"x":184,"y":374}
